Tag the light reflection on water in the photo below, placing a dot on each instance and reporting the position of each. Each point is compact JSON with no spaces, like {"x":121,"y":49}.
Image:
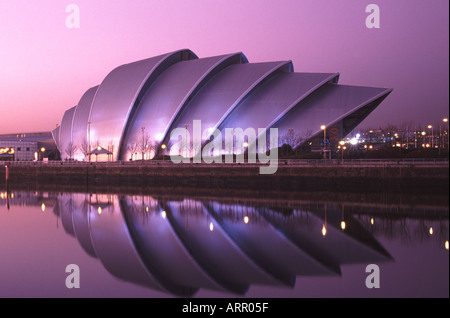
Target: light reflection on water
{"x":165,"y":246}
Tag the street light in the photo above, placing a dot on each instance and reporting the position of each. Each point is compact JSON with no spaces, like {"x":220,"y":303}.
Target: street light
{"x":163,"y":147}
{"x":342,"y":143}
{"x":432,"y":135}
{"x":445,"y":120}
{"x":89,"y":140}
{"x":186,"y":149}
{"x":42,"y":153}
{"x":324,"y":128}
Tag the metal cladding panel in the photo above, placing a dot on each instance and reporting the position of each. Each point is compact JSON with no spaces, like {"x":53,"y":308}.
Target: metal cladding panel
{"x":223,"y":92}
{"x":278,"y":256}
{"x":55,"y":135}
{"x":274,"y":98}
{"x":167,"y":95}
{"x":162,"y":251}
{"x":326,"y":106}
{"x":115,"y":248}
{"x":65,"y":132}
{"x":117,"y":95}
{"x":80,"y":221}
{"x":80,"y":122}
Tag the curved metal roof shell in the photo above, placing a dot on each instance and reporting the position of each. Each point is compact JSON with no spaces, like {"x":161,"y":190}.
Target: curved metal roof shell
{"x":326,"y":106}
{"x":80,"y":123}
{"x":65,"y":132}
{"x":119,"y":93}
{"x":151,"y":97}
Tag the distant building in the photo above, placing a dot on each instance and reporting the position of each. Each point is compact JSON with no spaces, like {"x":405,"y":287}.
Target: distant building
{"x":139,"y":104}
{"x":27,"y":146}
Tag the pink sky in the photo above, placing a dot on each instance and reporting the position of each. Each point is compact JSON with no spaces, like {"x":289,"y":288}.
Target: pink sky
{"x":45,"y":67}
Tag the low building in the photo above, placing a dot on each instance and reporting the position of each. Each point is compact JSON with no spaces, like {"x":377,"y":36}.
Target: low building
{"x":27,"y":147}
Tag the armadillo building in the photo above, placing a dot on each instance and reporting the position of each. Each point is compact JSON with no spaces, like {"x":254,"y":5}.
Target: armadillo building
{"x":140,"y":103}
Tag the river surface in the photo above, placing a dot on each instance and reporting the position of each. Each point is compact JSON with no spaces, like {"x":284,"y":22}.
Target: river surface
{"x":160,"y":245}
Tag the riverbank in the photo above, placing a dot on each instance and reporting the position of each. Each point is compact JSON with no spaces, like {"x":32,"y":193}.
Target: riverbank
{"x":384,"y":176}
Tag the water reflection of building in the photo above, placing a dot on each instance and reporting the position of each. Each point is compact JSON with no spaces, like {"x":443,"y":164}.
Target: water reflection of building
{"x":181,"y":246}
{"x":24,"y":198}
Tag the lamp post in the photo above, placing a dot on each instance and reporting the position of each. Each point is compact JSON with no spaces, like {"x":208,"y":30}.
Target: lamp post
{"x":245,"y":144}
{"x":445,"y":120}
{"x":432,"y":135}
{"x":186,"y":149}
{"x":342,"y":143}
{"x":89,"y":140}
{"x":163,"y":147}
{"x":143,"y":143}
{"x":42,"y":153}
{"x":423,"y":133}
{"x":324,"y":128}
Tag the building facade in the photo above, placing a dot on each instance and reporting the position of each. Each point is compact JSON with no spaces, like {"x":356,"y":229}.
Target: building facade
{"x":26,"y":146}
{"x":136,"y":107}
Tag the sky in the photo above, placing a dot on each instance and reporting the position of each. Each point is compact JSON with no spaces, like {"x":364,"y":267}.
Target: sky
{"x":46,"y":66}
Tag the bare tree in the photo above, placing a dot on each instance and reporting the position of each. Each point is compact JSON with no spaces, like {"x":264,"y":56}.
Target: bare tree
{"x":84,"y":147}
{"x":70,"y":149}
{"x":292,"y":139}
{"x":133,"y":147}
{"x":144,"y":144}
{"x":111,"y":146}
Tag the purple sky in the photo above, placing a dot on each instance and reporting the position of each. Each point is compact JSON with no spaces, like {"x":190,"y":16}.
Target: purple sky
{"x":45,"y":67}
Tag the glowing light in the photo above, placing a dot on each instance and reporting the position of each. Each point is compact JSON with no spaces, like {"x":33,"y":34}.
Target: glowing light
{"x":99,"y":148}
{"x":370,"y":147}
{"x":42,"y":149}
{"x":43,"y":207}
{"x":146,"y":209}
{"x":358,"y":136}
{"x":445,"y":120}
{"x":353,"y":141}
{"x":431,"y":231}
{"x":163,"y":146}
{"x":446,"y":245}
{"x":324,"y":230}
{"x":429,"y":126}
{"x":159,"y":137}
{"x":211,"y":226}
{"x":99,"y":210}
{"x":323,"y":127}
{"x":343,"y":225}
{"x":245,"y":144}
{"x":163,"y":214}
{"x":371,"y":221}
{"x":246,"y":219}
